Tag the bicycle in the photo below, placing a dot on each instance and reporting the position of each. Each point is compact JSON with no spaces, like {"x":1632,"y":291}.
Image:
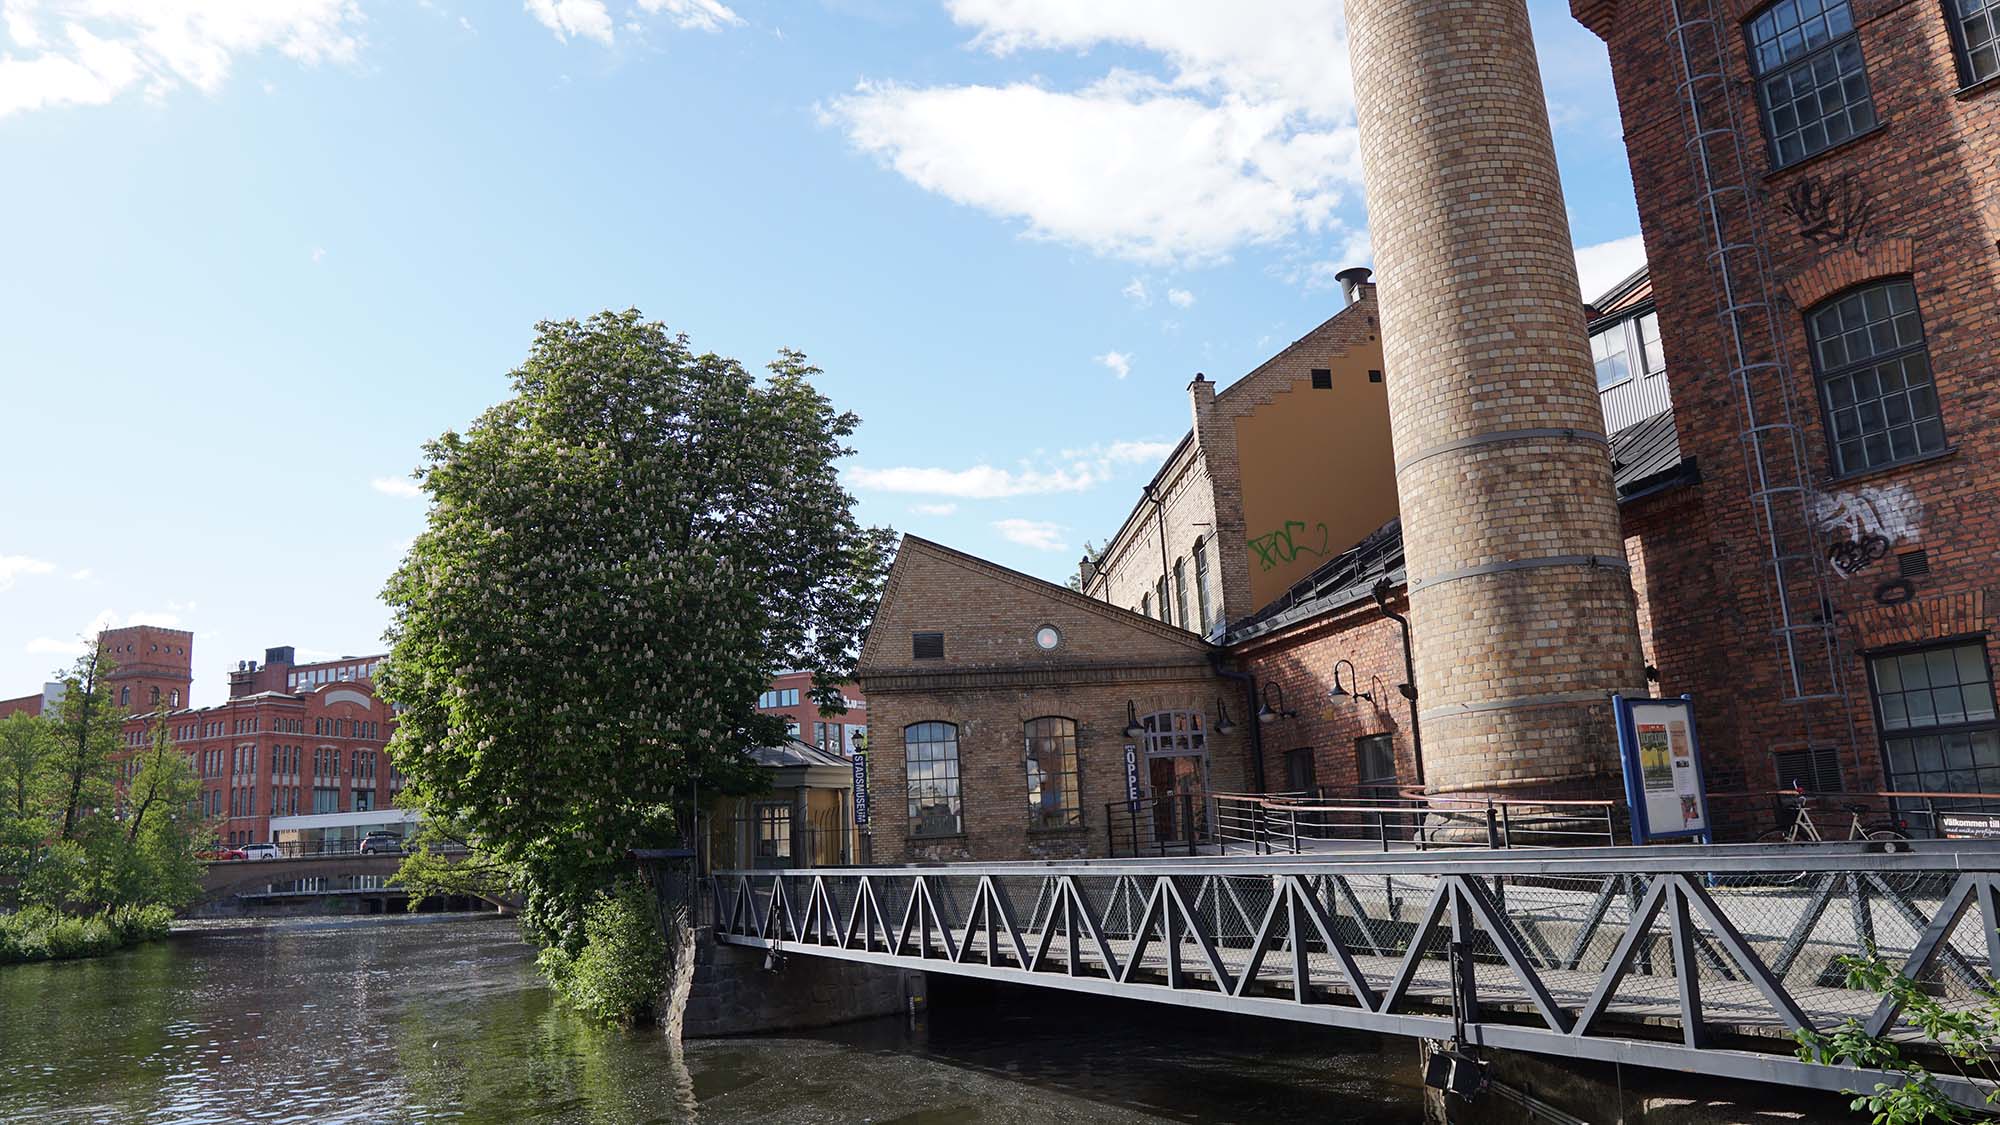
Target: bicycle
{"x":1803,"y":830}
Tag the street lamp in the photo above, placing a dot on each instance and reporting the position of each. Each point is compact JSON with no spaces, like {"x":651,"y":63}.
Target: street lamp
{"x":1268,"y":713}
{"x":1340,"y":694}
{"x":1132,"y":727}
{"x":1223,"y":725}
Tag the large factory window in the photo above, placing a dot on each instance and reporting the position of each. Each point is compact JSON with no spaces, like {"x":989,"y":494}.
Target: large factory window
{"x":1976,"y":27}
{"x":1811,"y":82}
{"x":1875,"y":377}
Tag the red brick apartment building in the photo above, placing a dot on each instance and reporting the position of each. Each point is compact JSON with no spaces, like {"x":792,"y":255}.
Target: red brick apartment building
{"x":1833,"y":377}
{"x":790,"y":695}
{"x":292,"y":740}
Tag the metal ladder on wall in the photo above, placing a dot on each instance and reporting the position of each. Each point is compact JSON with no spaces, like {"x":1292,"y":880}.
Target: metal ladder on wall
{"x":1783,"y":498}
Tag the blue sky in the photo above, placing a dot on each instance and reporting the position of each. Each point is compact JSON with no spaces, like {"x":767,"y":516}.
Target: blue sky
{"x":257,"y":251}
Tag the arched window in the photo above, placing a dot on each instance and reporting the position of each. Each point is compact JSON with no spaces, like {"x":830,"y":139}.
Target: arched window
{"x":1054,"y":798}
{"x":930,"y":772}
{"x":1202,"y":600}
{"x":174,"y":698}
{"x":125,"y":697}
{"x":1180,"y":593}
{"x":1875,"y":377}
{"x":156,"y":698}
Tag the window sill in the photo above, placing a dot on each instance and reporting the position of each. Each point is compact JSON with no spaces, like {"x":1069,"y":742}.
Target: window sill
{"x":1973,"y":89}
{"x":1822,"y":154}
{"x":1946,"y":453}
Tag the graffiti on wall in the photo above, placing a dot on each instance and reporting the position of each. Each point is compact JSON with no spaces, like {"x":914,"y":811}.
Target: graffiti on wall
{"x":1278,"y":548}
{"x":1862,"y":524}
{"x":1834,"y":214}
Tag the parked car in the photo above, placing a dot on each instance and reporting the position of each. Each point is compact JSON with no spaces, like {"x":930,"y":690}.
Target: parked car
{"x":222,"y":854}
{"x":262,"y":851}
{"x":381,"y":843}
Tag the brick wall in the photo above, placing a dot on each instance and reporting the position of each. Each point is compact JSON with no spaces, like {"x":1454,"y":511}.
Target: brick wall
{"x":1918,"y":197}
{"x":1520,"y":598}
{"x":994,"y":677}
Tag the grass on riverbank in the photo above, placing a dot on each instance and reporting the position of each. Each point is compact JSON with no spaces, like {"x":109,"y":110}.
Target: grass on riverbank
{"x":41,"y":934}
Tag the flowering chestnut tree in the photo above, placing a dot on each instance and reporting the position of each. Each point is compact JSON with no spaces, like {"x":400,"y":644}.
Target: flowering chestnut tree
{"x":618,"y":559}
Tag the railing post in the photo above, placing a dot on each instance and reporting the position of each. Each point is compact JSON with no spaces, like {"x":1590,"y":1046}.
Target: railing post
{"x":1187,"y":820}
{"x":1930,"y":814}
{"x":1492,"y":826}
{"x":1506,"y":826}
{"x":1295,"y":831}
{"x":1382,"y":828}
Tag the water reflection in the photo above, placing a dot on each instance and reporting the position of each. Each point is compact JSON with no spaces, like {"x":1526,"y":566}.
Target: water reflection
{"x":428,"y":1019}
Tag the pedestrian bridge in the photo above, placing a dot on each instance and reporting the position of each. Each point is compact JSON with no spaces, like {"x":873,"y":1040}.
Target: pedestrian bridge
{"x":1696,"y":958}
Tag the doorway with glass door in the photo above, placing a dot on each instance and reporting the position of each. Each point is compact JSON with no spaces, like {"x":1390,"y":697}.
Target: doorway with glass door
{"x":1177,"y":776}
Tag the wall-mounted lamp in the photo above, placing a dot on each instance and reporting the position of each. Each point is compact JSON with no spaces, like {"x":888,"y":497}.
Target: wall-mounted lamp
{"x":1132,"y":727}
{"x":1222,"y":724}
{"x":1340,"y":694}
{"x":1268,"y":713}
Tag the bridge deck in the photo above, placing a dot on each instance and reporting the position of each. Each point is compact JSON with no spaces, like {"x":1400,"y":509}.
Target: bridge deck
{"x":1577,"y":954}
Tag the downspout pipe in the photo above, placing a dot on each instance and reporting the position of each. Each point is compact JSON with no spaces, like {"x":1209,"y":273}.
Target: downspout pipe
{"x":1408,"y":687}
{"x":1249,"y":683}
{"x":1160,"y":517}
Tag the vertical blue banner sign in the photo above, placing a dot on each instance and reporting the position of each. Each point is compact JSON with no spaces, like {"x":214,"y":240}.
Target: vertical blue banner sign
{"x":861,"y":788}
{"x":1664,"y":781}
{"x":1132,"y":777}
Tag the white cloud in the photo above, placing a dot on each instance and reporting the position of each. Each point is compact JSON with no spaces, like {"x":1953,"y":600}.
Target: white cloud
{"x":105,"y":619}
{"x":318,"y":254}
{"x":17,"y":566}
{"x":980,"y":482}
{"x":1180,"y":298}
{"x":573,"y":19}
{"x":1604,"y":265}
{"x":1073,"y":470}
{"x":87,"y":52}
{"x":1135,"y":292}
{"x":1120,"y":363}
{"x":83,"y":575}
{"x":397,"y":486}
{"x":934,"y":509}
{"x":591,"y":19}
{"x":1248,"y":136}
{"x":1039,"y":534}
{"x":695,"y":15}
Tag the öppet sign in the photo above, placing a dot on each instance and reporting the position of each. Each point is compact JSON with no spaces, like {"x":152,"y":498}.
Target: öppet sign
{"x":1664,"y":782}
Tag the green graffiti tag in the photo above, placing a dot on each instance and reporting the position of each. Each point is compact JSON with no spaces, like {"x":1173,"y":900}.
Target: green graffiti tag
{"x":1277,"y":548}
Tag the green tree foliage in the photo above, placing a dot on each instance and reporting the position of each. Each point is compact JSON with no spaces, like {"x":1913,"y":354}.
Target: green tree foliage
{"x":156,"y":862}
{"x":1963,"y":1037}
{"x":620,"y":974}
{"x":26,"y":744}
{"x":73,"y":841}
{"x":618,"y":559}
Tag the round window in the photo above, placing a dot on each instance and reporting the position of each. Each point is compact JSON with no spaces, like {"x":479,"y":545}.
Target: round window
{"x":1048,"y":637}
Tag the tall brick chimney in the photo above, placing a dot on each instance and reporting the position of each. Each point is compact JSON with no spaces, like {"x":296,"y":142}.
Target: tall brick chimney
{"x":1519,"y":589}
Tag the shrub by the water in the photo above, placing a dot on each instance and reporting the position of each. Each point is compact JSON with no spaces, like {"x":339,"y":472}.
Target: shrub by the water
{"x":39,"y":933}
{"x":620,"y":973}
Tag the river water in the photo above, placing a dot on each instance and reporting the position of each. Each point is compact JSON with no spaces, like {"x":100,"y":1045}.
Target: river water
{"x":444,"y":1019}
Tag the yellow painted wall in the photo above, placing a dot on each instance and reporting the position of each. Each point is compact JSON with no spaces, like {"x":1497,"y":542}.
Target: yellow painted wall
{"x":1318,"y":472}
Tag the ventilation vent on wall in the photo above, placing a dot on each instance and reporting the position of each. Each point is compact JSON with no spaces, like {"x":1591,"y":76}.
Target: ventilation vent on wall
{"x":1374,"y":376}
{"x":1818,"y":770}
{"x":1913,"y":564}
{"x":1322,"y":379}
{"x":927,"y":646}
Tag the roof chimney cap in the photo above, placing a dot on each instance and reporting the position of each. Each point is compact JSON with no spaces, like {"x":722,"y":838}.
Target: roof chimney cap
{"x":1352,"y":279}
